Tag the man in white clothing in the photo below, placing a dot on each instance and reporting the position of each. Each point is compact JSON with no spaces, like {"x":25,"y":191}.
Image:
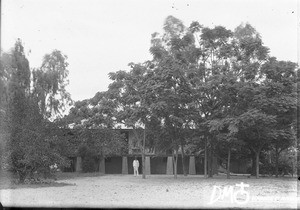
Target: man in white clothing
{"x":136,"y":165}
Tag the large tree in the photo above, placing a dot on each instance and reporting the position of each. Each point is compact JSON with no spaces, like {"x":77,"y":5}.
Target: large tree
{"x":28,"y":144}
{"x":172,"y":92}
{"x":210,"y":75}
{"x":220,"y":82}
{"x":130,"y":90}
{"x":49,"y":84}
{"x":278,"y":97}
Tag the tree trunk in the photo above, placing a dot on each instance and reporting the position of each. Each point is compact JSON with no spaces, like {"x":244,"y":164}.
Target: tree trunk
{"x":143,"y":155}
{"x":292,"y":168}
{"x":22,"y":177}
{"x":210,"y":174}
{"x":257,"y":164}
{"x":276,"y":162}
{"x":182,"y":160}
{"x":205,"y":158}
{"x":175,"y":164}
{"x":253,"y":167}
{"x":144,"y":167}
{"x":228,"y":163}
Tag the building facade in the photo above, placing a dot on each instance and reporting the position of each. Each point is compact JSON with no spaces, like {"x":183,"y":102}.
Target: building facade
{"x":161,"y":163}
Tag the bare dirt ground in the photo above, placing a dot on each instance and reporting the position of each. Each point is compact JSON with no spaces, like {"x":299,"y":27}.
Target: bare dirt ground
{"x":157,"y":191}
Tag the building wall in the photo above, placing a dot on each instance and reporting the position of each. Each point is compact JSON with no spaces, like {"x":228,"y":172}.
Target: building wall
{"x":199,"y":162}
{"x":158,"y":165}
{"x":113,"y":165}
{"x":180,"y":166}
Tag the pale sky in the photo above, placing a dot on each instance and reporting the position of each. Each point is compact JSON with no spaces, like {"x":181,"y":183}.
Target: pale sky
{"x":104,"y":36}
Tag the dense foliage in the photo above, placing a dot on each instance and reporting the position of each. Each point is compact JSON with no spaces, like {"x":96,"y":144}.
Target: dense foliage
{"x":206,"y":89}
{"x":29,"y":146}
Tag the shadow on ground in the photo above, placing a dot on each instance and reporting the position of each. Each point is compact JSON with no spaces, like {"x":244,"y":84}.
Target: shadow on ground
{"x":8,"y":181}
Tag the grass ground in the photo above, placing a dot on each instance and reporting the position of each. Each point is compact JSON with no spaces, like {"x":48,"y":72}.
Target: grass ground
{"x":157,"y":191}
